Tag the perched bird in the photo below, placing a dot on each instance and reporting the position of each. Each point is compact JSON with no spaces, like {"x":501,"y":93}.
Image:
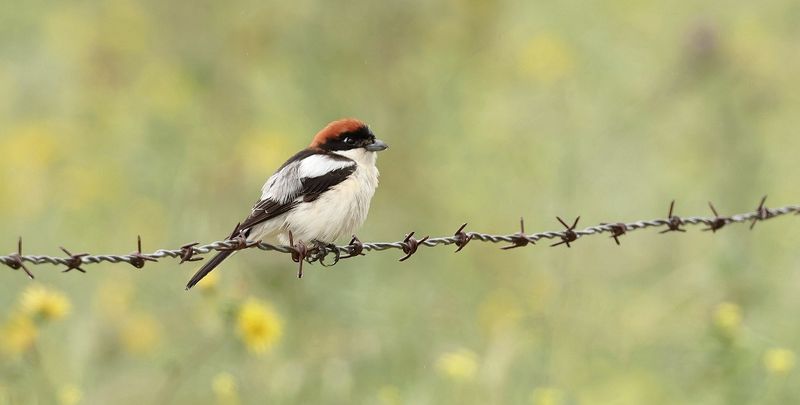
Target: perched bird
{"x":320,"y":194}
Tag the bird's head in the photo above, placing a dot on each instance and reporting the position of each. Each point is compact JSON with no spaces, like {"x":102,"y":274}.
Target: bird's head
{"x":347,"y":134}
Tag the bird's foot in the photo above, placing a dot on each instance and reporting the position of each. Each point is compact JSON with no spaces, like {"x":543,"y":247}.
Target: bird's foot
{"x":321,"y":250}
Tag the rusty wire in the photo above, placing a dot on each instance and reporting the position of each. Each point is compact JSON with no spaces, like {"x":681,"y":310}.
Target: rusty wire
{"x":409,"y":245}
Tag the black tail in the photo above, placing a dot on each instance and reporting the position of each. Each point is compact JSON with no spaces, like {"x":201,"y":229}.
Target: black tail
{"x":210,"y":265}
{"x":216,"y":260}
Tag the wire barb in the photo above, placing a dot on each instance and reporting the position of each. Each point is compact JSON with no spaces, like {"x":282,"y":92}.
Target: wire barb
{"x":73,"y":262}
{"x":674,"y":222}
{"x":410,"y":245}
{"x":461,"y":237}
{"x":616,"y":230}
{"x":354,"y":248}
{"x":520,"y":239}
{"x":137,"y":259}
{"x":762,"y":213}
{"x":569,"y":234}
{"x":187,"y":253}
{"x":14,"y":260}
{"x":718,"y":221}
{"x":239,"y":241}
{"x":299,"y":253}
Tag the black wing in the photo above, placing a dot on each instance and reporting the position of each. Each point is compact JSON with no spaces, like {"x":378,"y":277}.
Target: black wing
{"x":312,"y":188}
{"x":264,"y":210}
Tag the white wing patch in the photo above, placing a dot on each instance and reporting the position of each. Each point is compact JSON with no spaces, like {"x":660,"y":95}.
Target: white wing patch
{"x":285,"y":185}
{"x":319,"y":165}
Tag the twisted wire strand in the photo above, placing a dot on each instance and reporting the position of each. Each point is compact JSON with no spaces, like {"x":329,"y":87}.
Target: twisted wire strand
{"x":409,"y":244}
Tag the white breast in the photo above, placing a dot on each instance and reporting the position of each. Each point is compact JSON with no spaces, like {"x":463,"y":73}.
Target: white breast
{"x":339,"y":211}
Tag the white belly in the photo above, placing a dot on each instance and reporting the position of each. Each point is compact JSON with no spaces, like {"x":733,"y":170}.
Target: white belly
{"x":337,"y":213}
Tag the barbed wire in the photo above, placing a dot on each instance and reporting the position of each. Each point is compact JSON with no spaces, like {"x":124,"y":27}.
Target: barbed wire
{"x":301,"y":252}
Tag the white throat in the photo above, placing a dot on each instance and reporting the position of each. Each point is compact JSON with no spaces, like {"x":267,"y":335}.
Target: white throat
{"x":360,"y":155}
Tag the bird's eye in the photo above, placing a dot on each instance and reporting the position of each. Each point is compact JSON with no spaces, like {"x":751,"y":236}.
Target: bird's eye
{"x":349,"y":141}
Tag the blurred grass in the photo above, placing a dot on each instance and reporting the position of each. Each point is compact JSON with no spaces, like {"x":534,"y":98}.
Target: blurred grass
{"x":164,"y":118}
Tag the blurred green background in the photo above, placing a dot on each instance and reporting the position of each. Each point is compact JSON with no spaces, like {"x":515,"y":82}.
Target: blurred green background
{"x":164,"y":118}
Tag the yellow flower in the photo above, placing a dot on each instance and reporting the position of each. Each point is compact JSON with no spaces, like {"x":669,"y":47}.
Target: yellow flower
{"x":43,"y":303}
{"x":728,"y":317}
{"x":259,"y":325}
{"x":69,"y":395}
{"x":460,"y":365}
{"x":140,"y":334}
{"x":779,"y":361}
{"x":18,"y":334}
{"x":547,"y":396}
{"x":224,"y":387}
{"x":547,"y":59}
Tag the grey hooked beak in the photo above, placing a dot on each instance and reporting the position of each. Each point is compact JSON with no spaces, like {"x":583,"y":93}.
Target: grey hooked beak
{"x":376,"y":146}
